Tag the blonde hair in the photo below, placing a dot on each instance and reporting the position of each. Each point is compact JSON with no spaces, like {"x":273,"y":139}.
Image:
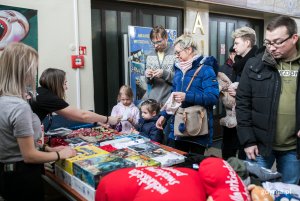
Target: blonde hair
{"x":18,"y":67}
{"x":246,"y":33}
{"x":53,"y":79}
{"x":127,"y":91}
{"x":185,"y":41}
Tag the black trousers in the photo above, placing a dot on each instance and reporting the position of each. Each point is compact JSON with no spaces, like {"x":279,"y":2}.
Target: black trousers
{"x":21,"y":181}
{"x":231,"y":145}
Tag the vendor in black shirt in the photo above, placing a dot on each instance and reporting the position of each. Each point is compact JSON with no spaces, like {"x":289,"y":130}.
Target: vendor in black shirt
{"x":50,"y":98}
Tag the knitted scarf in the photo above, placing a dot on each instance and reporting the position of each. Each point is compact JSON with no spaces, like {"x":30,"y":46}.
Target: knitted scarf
{"x":186,"y":65}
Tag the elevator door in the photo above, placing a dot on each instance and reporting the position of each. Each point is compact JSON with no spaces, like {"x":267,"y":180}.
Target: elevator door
{"x":220,"y":29}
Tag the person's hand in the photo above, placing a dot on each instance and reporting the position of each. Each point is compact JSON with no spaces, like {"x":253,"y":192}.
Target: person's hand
{"x":231,"y":90}
{"x":252,"y":152}
{"x":158,"y":73}
{"x":298,"y":134}
{"x":114,"y":120}
{"x":132,"y":130}
{"x":67,"y":152}
{"x":179,"y":96}
{"x":160,"y":122}
{"x":58,"y":148}
{"x":149,"y":73}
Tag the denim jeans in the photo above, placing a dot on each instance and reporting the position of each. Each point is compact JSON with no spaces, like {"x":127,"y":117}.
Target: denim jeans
{"x":286,"y":163}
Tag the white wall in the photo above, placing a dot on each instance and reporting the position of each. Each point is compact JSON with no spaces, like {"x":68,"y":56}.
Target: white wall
{"x":55,"y":37}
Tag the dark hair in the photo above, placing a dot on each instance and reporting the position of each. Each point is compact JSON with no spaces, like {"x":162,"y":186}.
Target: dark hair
{"x":152,"y":105}
{"x":53,"y":79}
{"x":158,"y":31}
{"x":285,"y":21}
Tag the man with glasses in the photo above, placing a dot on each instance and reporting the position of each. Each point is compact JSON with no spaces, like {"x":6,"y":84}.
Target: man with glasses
{"x":268,"y":102}
{"x":159,"y":66}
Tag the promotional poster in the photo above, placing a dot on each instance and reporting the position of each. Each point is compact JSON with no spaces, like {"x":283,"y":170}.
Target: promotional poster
{"x":18,"y":25}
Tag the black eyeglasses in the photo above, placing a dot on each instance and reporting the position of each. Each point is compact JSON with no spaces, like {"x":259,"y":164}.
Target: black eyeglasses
{"x":276,"y":44}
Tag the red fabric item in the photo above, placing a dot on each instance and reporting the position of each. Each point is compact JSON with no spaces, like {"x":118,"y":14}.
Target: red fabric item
{"x":221,"y":182}
{"x":151,"y":183}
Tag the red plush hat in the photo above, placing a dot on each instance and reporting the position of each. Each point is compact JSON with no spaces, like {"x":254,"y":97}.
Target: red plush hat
{"x":221,"y":182}
{"x":151,"y":183}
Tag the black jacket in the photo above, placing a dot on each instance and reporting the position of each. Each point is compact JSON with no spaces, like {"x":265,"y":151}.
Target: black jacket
{"x":240,"y":62}
{"x":257,"y":104}
{"x":148,"y":129}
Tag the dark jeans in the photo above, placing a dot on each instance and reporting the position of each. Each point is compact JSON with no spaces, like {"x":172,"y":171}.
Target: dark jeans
{"x":21,"y":181}
{"x":231,"y":145}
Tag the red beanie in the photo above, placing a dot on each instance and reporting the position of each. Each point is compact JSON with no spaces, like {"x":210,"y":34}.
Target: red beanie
{"x":151,"y":183}
{"x":221,"y":182}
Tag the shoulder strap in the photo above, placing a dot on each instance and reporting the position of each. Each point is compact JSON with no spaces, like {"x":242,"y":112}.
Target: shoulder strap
{"x":195,"y":74}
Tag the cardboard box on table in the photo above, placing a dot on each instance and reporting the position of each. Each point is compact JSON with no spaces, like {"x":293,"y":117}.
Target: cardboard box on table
{"x":83,"y":152}
{"x":91,"y":170}
{"x":79,"y":186}
{"x":83,"y":189}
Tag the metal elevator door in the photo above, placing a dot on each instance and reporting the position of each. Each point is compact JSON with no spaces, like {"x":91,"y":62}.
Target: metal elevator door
{"x":220,"y":40}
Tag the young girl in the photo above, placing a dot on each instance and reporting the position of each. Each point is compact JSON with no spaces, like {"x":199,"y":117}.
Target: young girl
{"x":146,"y":127}
{"x":126,"y":110}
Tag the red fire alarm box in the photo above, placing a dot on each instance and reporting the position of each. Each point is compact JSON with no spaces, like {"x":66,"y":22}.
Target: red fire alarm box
{"x":77,"y":61}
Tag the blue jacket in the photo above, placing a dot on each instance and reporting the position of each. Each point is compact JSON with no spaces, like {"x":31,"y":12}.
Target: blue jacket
{"x":204,"y":91}
{"x":148,"y":129}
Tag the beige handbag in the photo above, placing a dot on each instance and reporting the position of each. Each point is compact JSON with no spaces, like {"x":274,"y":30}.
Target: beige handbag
{"x":191,"y":121}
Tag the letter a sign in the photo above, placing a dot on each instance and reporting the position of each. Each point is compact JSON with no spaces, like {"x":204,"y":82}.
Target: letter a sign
{"x":198,"y":24}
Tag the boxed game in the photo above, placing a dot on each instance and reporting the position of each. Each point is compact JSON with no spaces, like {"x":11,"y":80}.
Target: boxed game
{"x":165,"y":157}
{"x":144,"y":147}
{"x":123,"y":153}
{"x":63,"y":175}
{"x":91,"y":170}
{"x":142,"y":161}
{"x":84,"y":189}
{"x":83,"y":152}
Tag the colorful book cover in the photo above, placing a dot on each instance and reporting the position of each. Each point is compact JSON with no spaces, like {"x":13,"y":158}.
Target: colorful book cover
{"x":155,"y":153}
{"x":123,"y":153}
{"x":113,"y":142}
{"x":169,"y":159}
{"x":91,"y":170}
{"x":142,"y":161}
{"x":137,"y":138}
{"x":83,"y":152}
{"x":144,"y":147}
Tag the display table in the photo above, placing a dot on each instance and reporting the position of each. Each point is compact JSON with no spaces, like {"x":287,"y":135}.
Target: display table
{"x":72,"y":194}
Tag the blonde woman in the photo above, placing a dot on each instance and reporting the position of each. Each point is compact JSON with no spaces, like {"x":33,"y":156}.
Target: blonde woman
{"x":51,"y":98}
{"x":21,"y":163}
{"x":204,"y":89}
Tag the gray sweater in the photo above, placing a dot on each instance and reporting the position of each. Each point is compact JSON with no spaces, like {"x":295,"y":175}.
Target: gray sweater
{"x":160,"y":87}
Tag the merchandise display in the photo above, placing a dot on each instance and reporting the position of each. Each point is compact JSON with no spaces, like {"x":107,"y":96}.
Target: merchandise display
{"x":101,"y":151}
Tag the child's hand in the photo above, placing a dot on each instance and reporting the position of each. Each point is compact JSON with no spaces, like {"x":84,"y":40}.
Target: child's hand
{"x":132,"y":130}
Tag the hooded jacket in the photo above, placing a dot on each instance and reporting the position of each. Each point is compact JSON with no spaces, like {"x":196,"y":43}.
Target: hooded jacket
{"x":147,"y":128}
{"x":258,"y":101}
{"x":204,"y":91}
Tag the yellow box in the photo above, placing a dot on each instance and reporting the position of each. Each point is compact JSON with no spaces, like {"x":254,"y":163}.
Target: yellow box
{"x":83,"y":152}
